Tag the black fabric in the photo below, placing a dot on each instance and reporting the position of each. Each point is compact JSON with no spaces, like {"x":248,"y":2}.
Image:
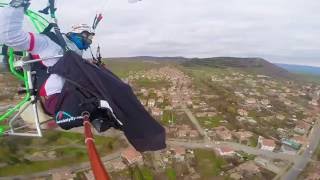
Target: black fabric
{"x":142,"y":131}
{"x":52,"y":35}
{"x":5,"y":59}
{"x":42,"y":74}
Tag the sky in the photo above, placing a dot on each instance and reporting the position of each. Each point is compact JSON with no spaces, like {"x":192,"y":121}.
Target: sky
{"x":280,"y":31}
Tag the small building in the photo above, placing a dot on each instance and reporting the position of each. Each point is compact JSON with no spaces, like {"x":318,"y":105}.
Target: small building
{"x":243,"y":135}
{"x":225,"y":151}
{"x":300,"y":140}
{"x":131,"y":156}
{"x":251,"y":101}
{"x":168,"y":108}
{"x":160,"y":100}
{"x":193,"y":133}
{"x":118,"y":165}
{"x":63,"y":175}
{"x":242,"y":112}
{"x":291,"y":143}
{"x":179,"y":153}
{"x":151,"y":103}
{"x":266,"y":144}
{"x":156,"y":112}
{"x":223,"y":133}
{"x":201,"y":114}
{"x":301,"y":127}
{"x":182,"y":133}
{"x":265,"y":102}
{"x":288,"y":150}
{"x":211,"y":114}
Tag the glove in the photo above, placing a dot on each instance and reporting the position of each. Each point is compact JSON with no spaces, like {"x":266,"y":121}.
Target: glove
{"x":20,"y":3}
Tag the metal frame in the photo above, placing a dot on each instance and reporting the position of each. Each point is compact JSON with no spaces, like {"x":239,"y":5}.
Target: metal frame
{"x":26,"y":65}
{"x":40,"y":23}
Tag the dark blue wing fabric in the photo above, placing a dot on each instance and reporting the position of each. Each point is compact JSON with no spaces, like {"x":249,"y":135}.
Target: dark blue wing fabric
{"x":142,"y":131}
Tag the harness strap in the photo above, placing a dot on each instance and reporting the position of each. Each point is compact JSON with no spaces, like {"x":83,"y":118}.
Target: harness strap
{"x":32,"y":42}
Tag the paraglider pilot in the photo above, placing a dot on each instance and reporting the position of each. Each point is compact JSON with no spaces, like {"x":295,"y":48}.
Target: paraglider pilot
{"x":70,"y":86}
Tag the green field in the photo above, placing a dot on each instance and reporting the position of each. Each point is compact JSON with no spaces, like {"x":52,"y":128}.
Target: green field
{"x":210,"y":122}
{"x":122,"y":68}
{"x":171,"y":174}
{"x":69,"y":149}
{"x":168,"y":118}
{"x":147,"y":83}
{"x":208,"y":163}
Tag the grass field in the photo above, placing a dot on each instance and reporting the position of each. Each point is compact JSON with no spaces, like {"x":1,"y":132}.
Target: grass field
{"x":210,"y":122}
{"x":147,"y":83}
{"x":171,"y":174}
{"x":122,"y":68}
{"x":208,"y":163}
{"x":69,"y":149}
{"x":168,"y":118}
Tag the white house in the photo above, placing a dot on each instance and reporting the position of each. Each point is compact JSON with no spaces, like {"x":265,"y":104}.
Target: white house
{"x":225,"y":151}
{"x":266,"y":144}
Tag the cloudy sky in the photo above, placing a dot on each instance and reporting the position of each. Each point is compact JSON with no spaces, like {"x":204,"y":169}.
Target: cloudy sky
{"x":283,"y":31}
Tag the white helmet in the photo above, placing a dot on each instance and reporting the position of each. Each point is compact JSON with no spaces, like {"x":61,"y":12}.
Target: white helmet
{"x":79,"y":28}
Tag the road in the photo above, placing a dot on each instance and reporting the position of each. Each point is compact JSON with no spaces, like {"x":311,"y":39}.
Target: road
{"x":195,"y":122}
{"x":235,"y":146}
{"x":301,"y":162}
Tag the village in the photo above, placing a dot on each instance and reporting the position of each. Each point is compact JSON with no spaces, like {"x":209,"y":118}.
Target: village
{"x":285,"y":111}
{"x":242,"y":125}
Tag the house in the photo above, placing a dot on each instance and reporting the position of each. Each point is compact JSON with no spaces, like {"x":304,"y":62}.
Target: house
{"x":243,"y":135}
{"x":265,"y":102}
{"x":280,"y":117}
{"x":251,"y":101}
{"x":315,"y":173}
{"x":247,"y":169}
{"x":181,"y":133}
{"x":118,"y":165}
{"x":301,"y":127}
{"x":291,"y":143}
{"x":151,"y":103}
{"x":131,"y":156}
{"x":201,"y":114}
{"x":193,"y":133}
{"x":160,"y":100}
{"x":223,"y":133}
{"x":159,"y":93}
{"x":266,"y":144}
{"x":225,"y":151}
{"x":63,"y":175}
{"x":89,"y":175}
{"x":288,"y":150}
{"x":211,"y":114}
{"x":168,"y":108}
{"x":143,"y":90}
{"x":143,"y":102}
{"x":300,"y":139}
{"x":179,"y":153}
{"x":156,"y":112}
{"x":242,"y":112}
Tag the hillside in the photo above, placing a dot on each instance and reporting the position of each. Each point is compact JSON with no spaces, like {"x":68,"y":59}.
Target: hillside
{"x":256,"y":65}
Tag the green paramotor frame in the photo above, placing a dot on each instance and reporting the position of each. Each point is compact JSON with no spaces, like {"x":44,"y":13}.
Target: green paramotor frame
{"x":39,"y":23}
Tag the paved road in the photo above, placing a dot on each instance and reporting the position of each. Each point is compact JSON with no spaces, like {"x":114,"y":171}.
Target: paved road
{"x":195,"y":122}
{"x":235,"y":146}
{"x":301,"y":162}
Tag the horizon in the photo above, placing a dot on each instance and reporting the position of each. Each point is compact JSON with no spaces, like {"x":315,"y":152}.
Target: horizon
{"x":281,"y":32}
{"x":315,"y":66}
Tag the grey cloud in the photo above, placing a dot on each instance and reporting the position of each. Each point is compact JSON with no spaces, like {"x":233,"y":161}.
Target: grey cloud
{"x":285,"y":31}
